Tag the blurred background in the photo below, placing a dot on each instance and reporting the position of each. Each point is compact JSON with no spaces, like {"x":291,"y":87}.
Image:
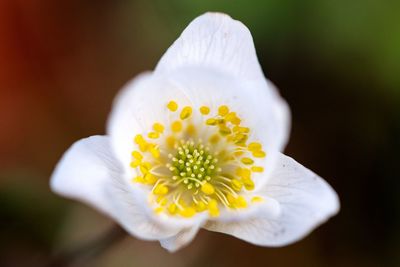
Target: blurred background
{"x":336,"y":62}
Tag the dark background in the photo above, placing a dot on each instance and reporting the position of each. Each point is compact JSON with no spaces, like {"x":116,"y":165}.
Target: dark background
{"x":336,"y":62}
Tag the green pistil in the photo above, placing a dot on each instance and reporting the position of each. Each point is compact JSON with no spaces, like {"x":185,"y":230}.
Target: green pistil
{"x":192,"y":165}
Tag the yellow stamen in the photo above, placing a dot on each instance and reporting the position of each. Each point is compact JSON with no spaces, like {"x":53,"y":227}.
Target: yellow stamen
{"x":214,"y":139}
{"x":160,"y":190}
{"x":236,"y":185}
{"x":201,"y":206}
{"x":254,"y":146}
{"x":238,"y":129}
{"x":186,"y":112}
{"x":243,"y":173}
{"x":172,"y":209}
{"x":172,"y":105}
{"x":207,"y":188}
{"x":150,"y":178}
{"x":223,"y":110}
{"x":158,"y":127}
{"x":155,"y":152}
{"x":158,"y":210}
{"x":135,"y":163}
{"x":204,"y":110}
{"x":241,"y":202}
{"x":213,"y":208}
{"x":257,"y":169}
{"x":211,"y":121}
{"x":224,"y":130}
{"x":259,"y":154}
{"x":139,"y":139}
{"x":137,"y":155}
{"x":187,"y":212}
{"x":170,"y":141}
{"x":176,"y":126}
{"x":257,"y":199}
{"x":247,"y":161}
{"x":153,"y":135}
{"x":191,"y":130}
{"x":248,"y":184}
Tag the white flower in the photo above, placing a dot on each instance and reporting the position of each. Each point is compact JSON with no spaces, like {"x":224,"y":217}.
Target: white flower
{"x":197,"y":144}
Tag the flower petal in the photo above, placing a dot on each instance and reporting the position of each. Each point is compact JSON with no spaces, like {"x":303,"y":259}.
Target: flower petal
{"x":180,"y":240}
{"x":89,"y":172}
{"x":305,"y":199}
{"x":216,"y":41}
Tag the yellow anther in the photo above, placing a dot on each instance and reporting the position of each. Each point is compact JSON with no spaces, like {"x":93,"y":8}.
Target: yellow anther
{"x":191,"y":129}
{"x":170,"y":141}
{"x":135,"y":163}
{"x":243,"y":173}
{"x":211,"y":121}
{"x":204,"y":110}
{"x":259,"y":154}
{"x":230,"y":116}
{"x":187,"y":212}
{"x":139,"y":139}
{"x":155,"y":152}
{"x":213,"y":208}
{"x":239,"y":129}
{"x":150,"y":178}
{"x":236,"y":121}
{"x":257,"y":199}
{"x":153,"y":135}
{"x":241,"y":202}
{"x":176,"y":126}
{"x":201,"y":206}
{"x":254,"y":146}
{"x":231,"y":199}
{"x":239,"y":138}
{"x":158,"y":210}
{"x":257,"y":169}
{"x":207,"y":188}
{"x":160,"y":190}
{"x":172,"y":209}
{"x":223,"y":110}
{"x":158,"y":127}
{"x":137,"y":155}
{"x":143,"y":147}
{"x":172,"y":105}
{"x":247,"y":161}
{"x":162,"y":200}
{"x":186,"y":112}
{"x":214,"y":139}
{"x":224,"y":130}
{"x":248,"y":184}
{"x":238,"y":153}
{"x":236,"y":185}
{"x":139,"y":179}
{"x":145,"y":167}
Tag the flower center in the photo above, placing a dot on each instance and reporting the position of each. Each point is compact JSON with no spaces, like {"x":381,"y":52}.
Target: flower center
{"x":200,"y":163}
{"x":193,"y":165}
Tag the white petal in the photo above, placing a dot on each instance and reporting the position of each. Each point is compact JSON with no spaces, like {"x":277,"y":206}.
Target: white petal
{"x":180,"y":240}
{"x":216,"y":41}
{"x":305,"y":199}
{"x":89,"y":172}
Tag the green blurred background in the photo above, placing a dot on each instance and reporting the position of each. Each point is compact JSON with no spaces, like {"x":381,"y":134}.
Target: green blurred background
{"x":336,"y":62}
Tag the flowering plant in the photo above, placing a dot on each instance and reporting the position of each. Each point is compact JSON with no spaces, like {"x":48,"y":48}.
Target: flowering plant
{"x":197,"y":144}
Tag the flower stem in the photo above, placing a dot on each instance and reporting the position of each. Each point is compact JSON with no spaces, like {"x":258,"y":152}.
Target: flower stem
{"x":88,"y":250}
